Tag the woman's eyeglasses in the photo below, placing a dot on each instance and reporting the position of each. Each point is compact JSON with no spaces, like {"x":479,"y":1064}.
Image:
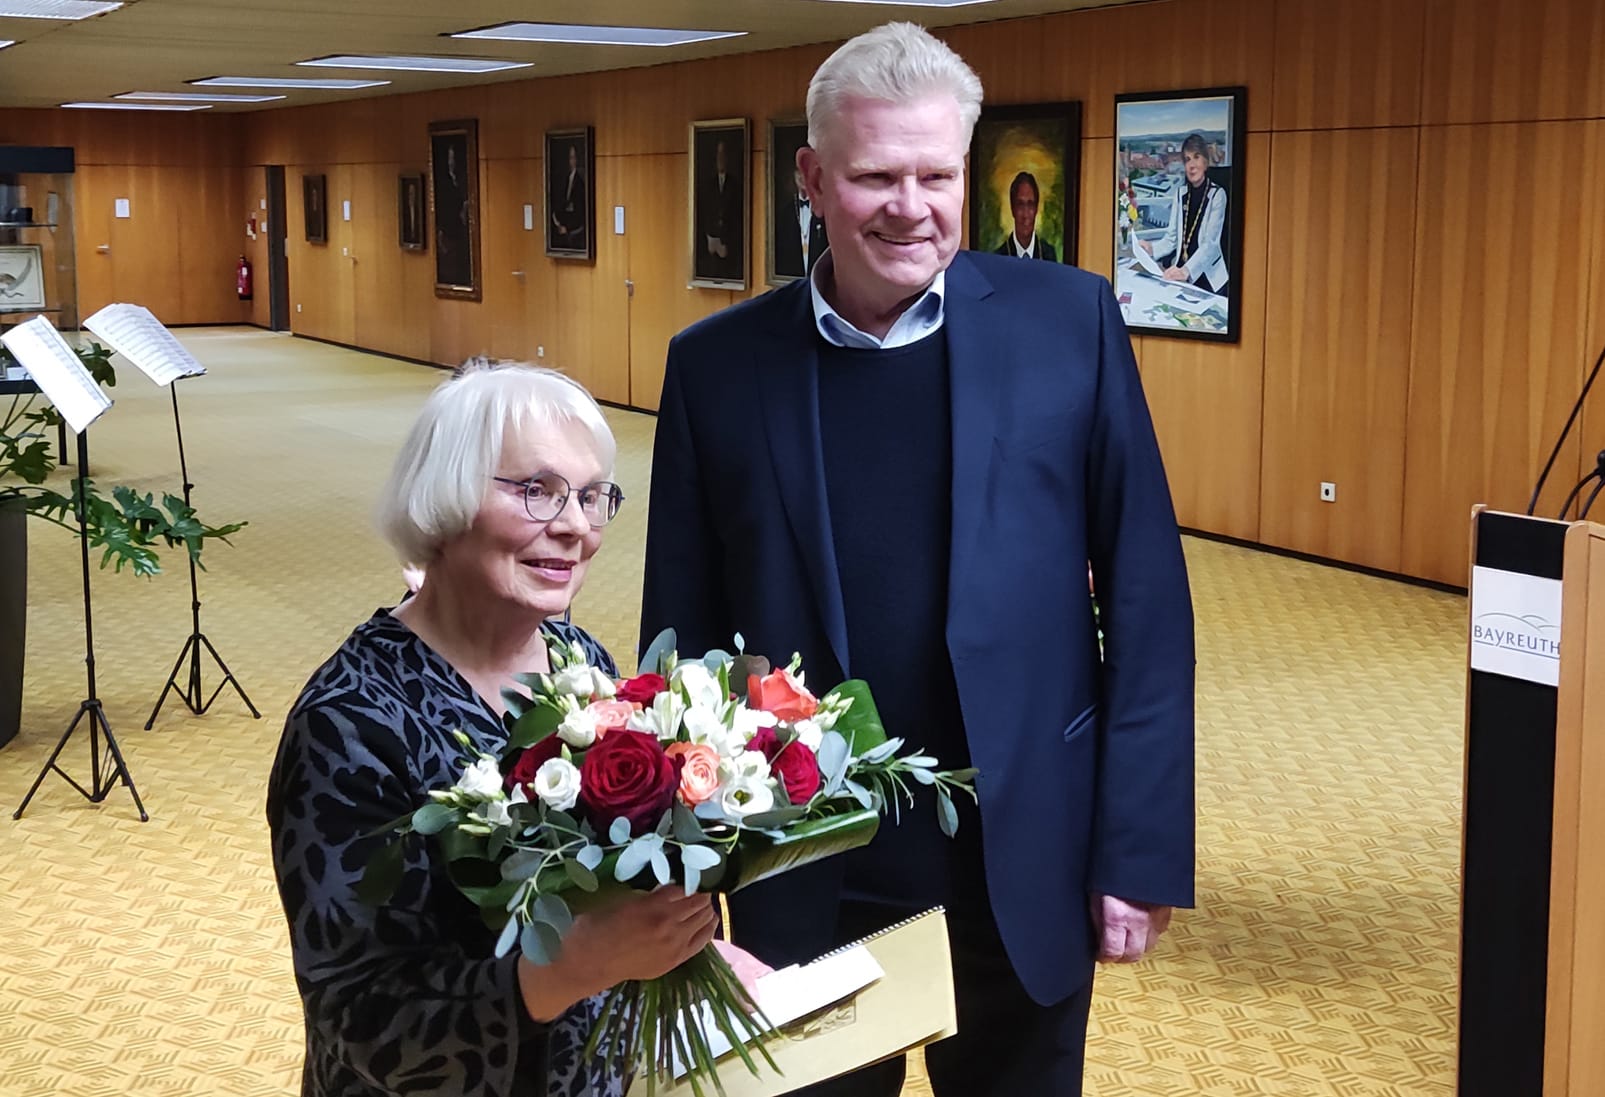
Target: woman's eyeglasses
{"x":547,"y":494}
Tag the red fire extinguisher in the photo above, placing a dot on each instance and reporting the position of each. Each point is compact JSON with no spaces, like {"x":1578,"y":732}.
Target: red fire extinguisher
{"x":242,"y":279}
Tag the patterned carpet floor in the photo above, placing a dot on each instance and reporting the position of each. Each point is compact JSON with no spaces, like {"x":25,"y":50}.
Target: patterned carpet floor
{"x":150,"y":958}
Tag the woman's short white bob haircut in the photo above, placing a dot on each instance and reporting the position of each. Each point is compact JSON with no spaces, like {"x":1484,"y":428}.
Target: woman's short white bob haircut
{"x":894,"y":63}
{"x":444,"y":469}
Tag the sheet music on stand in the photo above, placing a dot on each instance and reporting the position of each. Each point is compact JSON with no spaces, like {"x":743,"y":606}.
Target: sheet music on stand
{"x":56,"y":369}
{"x":134,"y":332}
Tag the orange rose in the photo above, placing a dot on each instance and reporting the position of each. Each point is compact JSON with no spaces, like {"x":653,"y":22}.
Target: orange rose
{"x":611,"y":715}
{"x":699,"y":777}
{"x":780,"y":694}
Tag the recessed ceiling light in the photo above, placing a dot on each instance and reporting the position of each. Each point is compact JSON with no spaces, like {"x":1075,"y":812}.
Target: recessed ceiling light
{"x":195,"y":97}
{"x":283,"y":82}
{"x":55,"y":9}
{"x":416,"y":64}
{"x":914,"y":3}
{"x":7,"y":42}
{"x":596,"y":36}
{"x":138,"y":106}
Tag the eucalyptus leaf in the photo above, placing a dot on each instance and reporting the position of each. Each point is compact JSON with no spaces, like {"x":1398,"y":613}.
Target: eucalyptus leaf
{"x":619,"y":832}
{"x":660,"y":866}
{"x":433,"y":818}
{"x":382,"y":875}
{"x":858,"y":792}
{"x":540,"y":943}
{"x":700,"y":857}
{"x":562,"y":819}
{"x":509,"y":935}
{"x":947,"y":816}
{"x":522,"y":865}
{"x":582,"y":877}
{"x":535,"y":725}
{"x":517,"y":702}
{"x":833,"y":756}
{"x":716,"y":660}
{"x":662,"y":645}
{"x":686,"y":827}
{"x":551,"y":910}
{"x":633,"y":860}
{"x":590,"y":857}
{"x":882,"y":752}
{"x":693,"y":880}
{"x":923,"y":776}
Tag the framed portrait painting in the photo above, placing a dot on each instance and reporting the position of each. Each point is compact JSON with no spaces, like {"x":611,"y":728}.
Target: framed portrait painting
{"x":719,"y":203}
{"x":315,"y":204}
{"x":454,"y":203}
{"x":794,"y":234}
{"x":1025,"y":181}
{"x":571,"y":194}
{"x":412,"y":212}
{"x":1178,"y":211}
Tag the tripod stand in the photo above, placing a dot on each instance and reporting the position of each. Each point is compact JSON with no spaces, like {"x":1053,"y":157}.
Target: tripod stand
{"x":190,"y":693}
{"x":109,"y":768}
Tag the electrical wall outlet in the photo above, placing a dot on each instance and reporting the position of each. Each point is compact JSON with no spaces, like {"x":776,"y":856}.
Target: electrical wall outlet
{"x":298,"y":308}
{"x":1328,"y":491}
{"x":540,"y":352}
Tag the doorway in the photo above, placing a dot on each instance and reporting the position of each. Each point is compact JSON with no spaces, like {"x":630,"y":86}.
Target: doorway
{"x":278,"y":257}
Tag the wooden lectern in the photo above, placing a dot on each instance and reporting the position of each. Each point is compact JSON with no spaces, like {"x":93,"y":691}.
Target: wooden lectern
{"x":1532,"y":932}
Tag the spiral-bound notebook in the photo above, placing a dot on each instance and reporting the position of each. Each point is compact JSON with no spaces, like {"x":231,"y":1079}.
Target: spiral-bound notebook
{"x":867,"y":1001}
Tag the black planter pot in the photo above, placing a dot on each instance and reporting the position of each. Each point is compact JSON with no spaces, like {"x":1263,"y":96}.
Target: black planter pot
{"x":13,"y":617}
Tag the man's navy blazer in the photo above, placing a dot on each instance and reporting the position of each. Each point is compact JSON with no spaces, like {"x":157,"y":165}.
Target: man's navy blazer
{"x":1086,"y":763}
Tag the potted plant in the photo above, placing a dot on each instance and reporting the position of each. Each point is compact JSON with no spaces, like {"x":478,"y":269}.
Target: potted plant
{"x":127,"y":528}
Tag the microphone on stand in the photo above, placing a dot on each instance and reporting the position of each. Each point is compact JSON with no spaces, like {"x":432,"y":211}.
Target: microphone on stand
{"x":1532,"y":505}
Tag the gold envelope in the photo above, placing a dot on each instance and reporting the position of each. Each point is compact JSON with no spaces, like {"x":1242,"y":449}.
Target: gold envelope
{"x":912,"y":1005}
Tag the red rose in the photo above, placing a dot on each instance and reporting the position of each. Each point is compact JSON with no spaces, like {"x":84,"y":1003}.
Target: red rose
{"x":522,"y":771}
{"x":627,"y":774}
{"x":795,"y":765}
{"x":642,"y":688}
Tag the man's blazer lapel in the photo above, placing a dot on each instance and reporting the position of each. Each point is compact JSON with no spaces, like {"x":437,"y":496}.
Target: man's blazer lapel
{"x":786,"y":362}
{"x":976,"y":357}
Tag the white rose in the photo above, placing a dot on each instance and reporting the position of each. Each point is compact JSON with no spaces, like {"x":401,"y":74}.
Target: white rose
{"x":809,"y":733}
{"x":482,"y":779}
{"x":746,"y":796}
{"x":557,"y":783}
{"x":495,"y":812}
{"x":578,"y":729}
{"x":576,"y":680}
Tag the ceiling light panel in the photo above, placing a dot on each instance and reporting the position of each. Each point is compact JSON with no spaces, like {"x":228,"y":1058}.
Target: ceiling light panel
{"x":195,"y":97}
{"x":138,"y":106}
{"x":55,"y":9}
{"x":915,"y":3}
{"x":596,"y":36}
{"x":416,"y":64}
{"x":284,"y":82}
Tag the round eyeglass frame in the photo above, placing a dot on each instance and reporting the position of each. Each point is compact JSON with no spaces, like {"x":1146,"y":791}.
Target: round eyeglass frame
{"x":605,"y":489}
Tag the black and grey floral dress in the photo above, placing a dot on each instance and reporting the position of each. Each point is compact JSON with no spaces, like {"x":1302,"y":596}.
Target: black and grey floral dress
{"x":408,"y":998}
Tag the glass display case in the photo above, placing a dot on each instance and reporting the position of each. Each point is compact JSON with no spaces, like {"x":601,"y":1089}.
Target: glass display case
{"x":38,"y":259}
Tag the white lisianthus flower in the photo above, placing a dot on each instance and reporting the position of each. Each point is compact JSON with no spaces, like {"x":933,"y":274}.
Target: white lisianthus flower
{"x":749,"y":720}
{"x":578,"y":728}
{"x":663,"y":718}
{"x":705,"y":727}
{"x":482,"y":779}
{"x":602,"y":687}
{"x":557,"y":783}
{"x":746,"y":796}
{"x":701,"y":688}
{"x":809,"y":733}
{"x":577,"y":681}
{"x":745,"y":765}
{"x":495,"y":812}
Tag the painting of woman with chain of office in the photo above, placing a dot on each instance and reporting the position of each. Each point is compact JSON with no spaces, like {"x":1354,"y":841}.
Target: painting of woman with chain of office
{"x":1178,"y":220}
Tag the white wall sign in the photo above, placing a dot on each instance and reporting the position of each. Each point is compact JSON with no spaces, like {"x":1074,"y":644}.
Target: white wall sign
{"x":345,"y":209}
{"x":122,"y":207}
{"x":529,"y":217}
{"x":1515,"y":625}
{"x":618,"y":220}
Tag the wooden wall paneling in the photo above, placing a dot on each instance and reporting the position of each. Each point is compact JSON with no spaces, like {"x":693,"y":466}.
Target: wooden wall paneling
{"x":1337,"y":342}
{"x":608,"y":317}
{"x":211,"y":241}
{"x":1513,"y":60}
{"x":510,"y":255}
{"x":1497,"y":327}
{"x":1206,"y":397}
{"x":380,"y":302}
{"x":93,"y":190}
{"x":1096,"y":238}
{"x":1185,"y":44}
{"x":1348,"y":65}
{"x":252,"y":192}
{"x":144,"y":245}
{"x":1083,"y":58}
{"x":1008,"y":57}
{"x":318,"y":272}
{"x":1590,"y":427}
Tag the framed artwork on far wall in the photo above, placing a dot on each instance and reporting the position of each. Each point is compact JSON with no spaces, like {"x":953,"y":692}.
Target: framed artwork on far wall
{"x":795,"y":236}
{"x":571,"y":193}
{"x":412,"y":212}
{"x":454,"y":205}
{"x":1178,"y":211}
{"x":1025,"y":181}
{"x":22,"y":277}
{"x":719,"y":195}
{"x":315,"y":202}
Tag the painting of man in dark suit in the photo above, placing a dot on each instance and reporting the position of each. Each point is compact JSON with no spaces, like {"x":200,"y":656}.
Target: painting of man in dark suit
{"x":570,"y":194}
{"x":719,"y":196}
{"x":796,"y":234}
{"x":454,"y":171}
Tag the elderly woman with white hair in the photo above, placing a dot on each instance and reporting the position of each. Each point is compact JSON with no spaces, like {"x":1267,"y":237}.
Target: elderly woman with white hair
{"x":500,"y":493}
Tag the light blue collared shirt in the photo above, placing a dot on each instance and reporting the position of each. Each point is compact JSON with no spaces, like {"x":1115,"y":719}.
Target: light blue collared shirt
{"x":924,"y":317}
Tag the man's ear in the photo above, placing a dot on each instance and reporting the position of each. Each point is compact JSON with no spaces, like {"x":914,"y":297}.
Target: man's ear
{"x":813,"y":171}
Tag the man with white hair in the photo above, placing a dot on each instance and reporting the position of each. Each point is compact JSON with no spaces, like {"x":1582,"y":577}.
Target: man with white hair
{"x":900,"y":467}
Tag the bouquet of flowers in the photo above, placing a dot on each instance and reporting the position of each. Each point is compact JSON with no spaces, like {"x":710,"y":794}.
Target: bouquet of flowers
{"x":711,"y":774}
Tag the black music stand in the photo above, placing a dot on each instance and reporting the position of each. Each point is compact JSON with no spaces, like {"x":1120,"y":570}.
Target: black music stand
{"x":190,"y":692}
{"x":108,"y":768}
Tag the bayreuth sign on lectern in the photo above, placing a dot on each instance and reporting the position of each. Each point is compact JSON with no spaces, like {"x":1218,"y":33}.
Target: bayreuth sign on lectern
{"x":1532,"y":927}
